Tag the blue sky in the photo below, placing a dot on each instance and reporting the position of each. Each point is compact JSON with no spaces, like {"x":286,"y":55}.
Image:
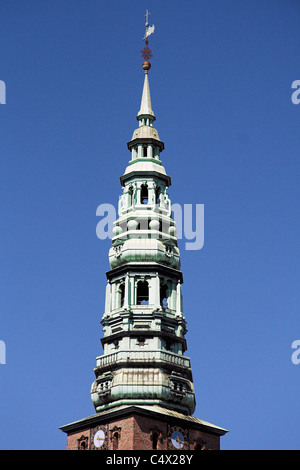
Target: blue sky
{"x":220,"y":84}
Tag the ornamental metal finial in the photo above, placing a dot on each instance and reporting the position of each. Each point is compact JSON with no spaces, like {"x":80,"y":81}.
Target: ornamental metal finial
{"x":146,"y":52}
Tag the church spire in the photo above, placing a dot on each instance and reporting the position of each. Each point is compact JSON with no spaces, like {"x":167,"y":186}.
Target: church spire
{"x":143,"y":322}
{"x":143,"y":392}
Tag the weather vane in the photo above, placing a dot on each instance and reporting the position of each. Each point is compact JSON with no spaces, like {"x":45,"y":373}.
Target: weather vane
{"x":146,"y":52}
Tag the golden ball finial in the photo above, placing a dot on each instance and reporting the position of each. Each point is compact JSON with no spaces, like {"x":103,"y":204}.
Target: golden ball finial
{"x":146,"y":65}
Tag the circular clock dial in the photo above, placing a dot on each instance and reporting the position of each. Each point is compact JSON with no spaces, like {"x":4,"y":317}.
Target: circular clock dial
{"x":177,"y":440}
{"x":99,"y":438}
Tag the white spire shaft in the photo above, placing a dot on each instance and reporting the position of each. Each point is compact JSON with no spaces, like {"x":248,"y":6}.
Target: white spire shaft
{"x":146,"y":107}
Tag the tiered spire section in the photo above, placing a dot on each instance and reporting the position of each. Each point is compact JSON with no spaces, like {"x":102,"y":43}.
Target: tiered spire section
{"x":143,"y":323}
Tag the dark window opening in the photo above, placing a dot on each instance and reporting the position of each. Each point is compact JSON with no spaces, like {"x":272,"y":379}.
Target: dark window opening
{"x":144,"y":194}
{"x":82,"y":445}
{"x":200,"y":445}
{"x":141,"y":341}
{"x":145,"y":151}
{"x":164,"y":296}
{"x":157,"y":194}
{"x":142,"y":293}
{"x":122,"y":294}
{"x":115,"y":440}
{"x":169,"y":345}
{"x":130,"y":196}
{"x":154,"y":440}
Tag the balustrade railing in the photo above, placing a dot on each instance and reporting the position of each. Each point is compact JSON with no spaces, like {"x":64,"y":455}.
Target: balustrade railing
{"x":140,"y":356}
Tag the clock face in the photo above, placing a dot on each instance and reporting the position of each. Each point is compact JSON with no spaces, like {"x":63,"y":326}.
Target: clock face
{"x":177,"y":438}
{"x":99,"y":438}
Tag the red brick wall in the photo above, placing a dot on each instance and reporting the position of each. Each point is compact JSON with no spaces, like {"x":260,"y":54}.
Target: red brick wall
{"x":144,"y":428}
{"x":125,"y":432}
{"x":135,"y":433}
{"x":72,"y":439}
{"x":203,"y":440}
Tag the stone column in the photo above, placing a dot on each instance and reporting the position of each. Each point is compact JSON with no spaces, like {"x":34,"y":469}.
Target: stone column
{"x":178,"y":299}
{"x":113,"y":296}
{"x":127,"y":293}
{"x":138,"y":194}
{"x":157,"y":291}
{"x":108,"y":299}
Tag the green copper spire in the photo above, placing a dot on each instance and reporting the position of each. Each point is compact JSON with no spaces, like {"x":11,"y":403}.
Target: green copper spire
{"x":143,"y":391}
{"x":143,"y":323}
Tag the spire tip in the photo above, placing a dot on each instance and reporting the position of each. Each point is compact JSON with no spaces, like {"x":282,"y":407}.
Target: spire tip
{"x":146,"y":52}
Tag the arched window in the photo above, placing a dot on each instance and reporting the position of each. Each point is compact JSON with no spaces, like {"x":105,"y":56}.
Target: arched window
{"x":154,"y":440}
{"x":164,"y":296}
{"x":155,"y":437}
{"x":130,"y":196}
{"x":121,"y":292}
{"x":157,"y":194}
{"x":82,"y":443}
{"x":142,"y":293}
{"x":199,"y":445}
{"x":115,"y":439}
{"x":144,"y":194}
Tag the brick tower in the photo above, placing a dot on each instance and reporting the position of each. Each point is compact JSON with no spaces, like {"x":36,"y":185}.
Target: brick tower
{"x":143,"y":392}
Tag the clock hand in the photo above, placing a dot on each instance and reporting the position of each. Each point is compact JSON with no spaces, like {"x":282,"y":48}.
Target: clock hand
{"x":178,"y":440}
